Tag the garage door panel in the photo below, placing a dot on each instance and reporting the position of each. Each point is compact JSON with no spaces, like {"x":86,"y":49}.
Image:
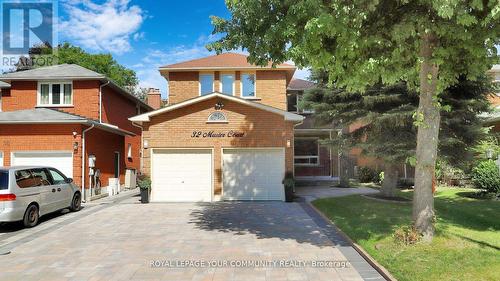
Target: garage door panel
{"x":61,"y":160}
{"x":182,"y":175}
{"x":253,"y":174}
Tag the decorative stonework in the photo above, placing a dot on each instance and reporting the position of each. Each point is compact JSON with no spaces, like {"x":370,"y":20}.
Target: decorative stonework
{"x":217,"y":117}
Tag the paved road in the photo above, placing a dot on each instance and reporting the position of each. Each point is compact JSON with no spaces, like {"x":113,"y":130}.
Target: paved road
{"x":130,"y":241}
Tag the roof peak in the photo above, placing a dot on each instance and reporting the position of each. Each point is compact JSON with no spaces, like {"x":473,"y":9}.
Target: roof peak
{"x":224,"y":60}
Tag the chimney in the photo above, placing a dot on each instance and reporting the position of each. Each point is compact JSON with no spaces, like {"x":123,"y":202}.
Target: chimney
{"x":154,"y":98}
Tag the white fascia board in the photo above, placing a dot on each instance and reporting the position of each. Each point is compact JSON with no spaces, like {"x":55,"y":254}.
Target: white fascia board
{"x":288,"y":115}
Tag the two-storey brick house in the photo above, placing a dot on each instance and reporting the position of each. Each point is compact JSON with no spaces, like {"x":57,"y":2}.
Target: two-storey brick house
{"x":226,"y":133}
{"x":60,"y":115}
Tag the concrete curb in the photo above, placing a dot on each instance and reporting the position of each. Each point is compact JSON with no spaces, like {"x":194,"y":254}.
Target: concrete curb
{"x":378,"y":267}
{"x":385,"y":200}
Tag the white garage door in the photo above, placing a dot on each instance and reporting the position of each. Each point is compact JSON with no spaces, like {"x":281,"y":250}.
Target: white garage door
{"x":181,"y":175}
{"x":1,"y":159}
{"x":253,"y":174}
{"x":61,"y":160}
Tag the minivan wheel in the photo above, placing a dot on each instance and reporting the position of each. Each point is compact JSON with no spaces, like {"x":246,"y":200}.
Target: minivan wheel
{"x":76,"y":202}
{"x":31,"y":216}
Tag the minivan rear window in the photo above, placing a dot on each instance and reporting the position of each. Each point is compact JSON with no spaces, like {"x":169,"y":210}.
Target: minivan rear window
{"x":4,"y":180}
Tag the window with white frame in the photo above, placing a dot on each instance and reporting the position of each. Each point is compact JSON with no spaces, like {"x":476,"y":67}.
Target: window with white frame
{"x":247,"y":85}
{"x":55,"y":93}
{"x":129,"y":151}
{"x":206,"y":83}
{"x":227,"y":84}
{"x":306,"y":151}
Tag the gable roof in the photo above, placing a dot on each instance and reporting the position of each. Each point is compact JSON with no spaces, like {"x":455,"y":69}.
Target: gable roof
{"x":60,"y":71}
{"x":68,"y":72}
{"x":146,"y":117}
{"x":54,"y":116}
{"x":300,"y":85}
{"x":225,"y":60}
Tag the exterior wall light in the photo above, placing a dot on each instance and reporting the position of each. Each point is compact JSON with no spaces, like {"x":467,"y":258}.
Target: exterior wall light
{"x":75,"y":145}
{"x":146,"y":144}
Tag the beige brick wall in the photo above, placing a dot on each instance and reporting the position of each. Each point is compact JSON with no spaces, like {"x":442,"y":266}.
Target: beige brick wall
{"x":270,"y":86}
{"x":174,"y":130}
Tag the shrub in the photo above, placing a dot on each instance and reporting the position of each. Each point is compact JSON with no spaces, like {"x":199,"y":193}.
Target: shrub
{"x":366,"y":174}
{"x":406,"y":235}
{"x":485,"y":175}
{"x":406,"y":182}
{"x":144,"y":182}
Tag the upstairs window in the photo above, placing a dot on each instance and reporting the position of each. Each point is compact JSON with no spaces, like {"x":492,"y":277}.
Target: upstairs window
{"x":55,"y":93}
{"x":206,"y":84}
{"x":227,"y":84}
{"x":248,"y":85}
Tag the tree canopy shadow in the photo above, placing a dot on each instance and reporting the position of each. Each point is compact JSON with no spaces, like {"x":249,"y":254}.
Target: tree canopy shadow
{"x":265,"y":220}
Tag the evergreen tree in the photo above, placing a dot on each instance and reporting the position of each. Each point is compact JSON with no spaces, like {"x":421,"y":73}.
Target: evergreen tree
{"x":387,"y":131}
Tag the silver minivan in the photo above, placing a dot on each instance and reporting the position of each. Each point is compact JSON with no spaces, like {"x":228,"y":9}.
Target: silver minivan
{"x":27,"y":193}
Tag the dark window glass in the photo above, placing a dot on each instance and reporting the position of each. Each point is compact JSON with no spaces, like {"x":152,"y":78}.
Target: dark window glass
{"x":56,"y":94}
{"x":24,"y":179}
{"x":57,"y":177}
{"x":4,"y":180}
{"x":291,"y":102}
{"x":41,"y":177}
{"x":306,"y":147}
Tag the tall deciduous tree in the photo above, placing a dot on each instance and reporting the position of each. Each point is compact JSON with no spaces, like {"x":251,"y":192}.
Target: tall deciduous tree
{"x":67,"y":53}
{"x":427,"y":43}
{"x":383,"y":118}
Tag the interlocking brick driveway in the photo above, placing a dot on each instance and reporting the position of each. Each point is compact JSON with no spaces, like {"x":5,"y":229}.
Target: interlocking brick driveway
{"x":119,"y":242}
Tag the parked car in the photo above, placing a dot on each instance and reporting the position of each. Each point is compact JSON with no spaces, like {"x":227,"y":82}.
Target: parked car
{"x":27,"y":193}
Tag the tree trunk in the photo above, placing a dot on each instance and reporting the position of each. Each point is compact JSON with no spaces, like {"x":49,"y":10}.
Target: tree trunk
{"x":428,"y":118}
{"x":390,"y":182}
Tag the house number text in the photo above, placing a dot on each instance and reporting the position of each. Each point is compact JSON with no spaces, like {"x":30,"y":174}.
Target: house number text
{"x":213,"y":134}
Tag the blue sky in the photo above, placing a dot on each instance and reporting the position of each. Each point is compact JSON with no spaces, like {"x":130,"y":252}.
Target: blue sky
{"x":142,"y":35}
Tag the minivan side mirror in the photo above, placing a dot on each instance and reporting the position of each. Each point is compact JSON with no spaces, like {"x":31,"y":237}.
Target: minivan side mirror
{"x":69,"y":180}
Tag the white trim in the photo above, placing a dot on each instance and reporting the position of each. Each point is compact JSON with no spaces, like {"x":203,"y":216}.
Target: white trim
{"x":307,"y":156}
{"x":283,"y":149}
{"x":289,"y":116}
{"x":199,"y":81}
{"x":151,"y":152}
{"x":61,"y":94}
{"x":233,"y":92}
{"x":3,"y":159}
{"x":254,"y":73}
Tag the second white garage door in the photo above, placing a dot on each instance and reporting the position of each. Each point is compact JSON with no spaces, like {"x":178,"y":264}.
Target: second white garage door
{"x":181,"y":175}
{"x":61,"y":160}
{"x":253,"y":174}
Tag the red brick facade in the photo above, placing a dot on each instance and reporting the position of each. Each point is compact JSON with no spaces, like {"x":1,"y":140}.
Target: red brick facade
{"x":116,"y":109}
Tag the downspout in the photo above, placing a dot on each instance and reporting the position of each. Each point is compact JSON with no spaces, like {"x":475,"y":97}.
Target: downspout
{"x":142,"y":148}
{"x":83,"y":161}
{"x":100,"y":99}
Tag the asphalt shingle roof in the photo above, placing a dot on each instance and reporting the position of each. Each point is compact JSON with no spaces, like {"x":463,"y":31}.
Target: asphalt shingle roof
{"x":38,"y":115}
{"x":229,"y":60}
{"x":300,"y":84}
{"x":61,"y":71}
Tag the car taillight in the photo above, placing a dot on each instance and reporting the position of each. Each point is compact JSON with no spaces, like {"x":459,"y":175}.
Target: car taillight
{"x":7,"y":197}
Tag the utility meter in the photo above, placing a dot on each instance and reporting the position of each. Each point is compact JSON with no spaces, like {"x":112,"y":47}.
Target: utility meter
{"x":91,"y":161}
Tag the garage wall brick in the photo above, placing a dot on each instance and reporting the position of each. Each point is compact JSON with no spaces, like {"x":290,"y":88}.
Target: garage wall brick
{"x":262,"y":129}
{"x":42,"y":138}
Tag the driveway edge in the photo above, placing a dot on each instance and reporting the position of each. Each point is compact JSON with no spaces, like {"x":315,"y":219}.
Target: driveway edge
{"x":378,"y":267}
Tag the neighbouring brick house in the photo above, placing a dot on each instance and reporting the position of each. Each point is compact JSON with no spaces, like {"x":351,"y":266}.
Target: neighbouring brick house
{"x":494,"y":118}
{"x":226,"y":133}
{"x":55,"y":115}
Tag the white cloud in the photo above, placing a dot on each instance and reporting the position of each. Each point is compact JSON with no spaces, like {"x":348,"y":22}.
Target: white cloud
{"x":102,"y":27}
{"x":303,"y":73}
{"x":147,"y":69}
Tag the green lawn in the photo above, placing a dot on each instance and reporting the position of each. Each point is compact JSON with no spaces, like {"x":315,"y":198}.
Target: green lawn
{"x":466,"y":245}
